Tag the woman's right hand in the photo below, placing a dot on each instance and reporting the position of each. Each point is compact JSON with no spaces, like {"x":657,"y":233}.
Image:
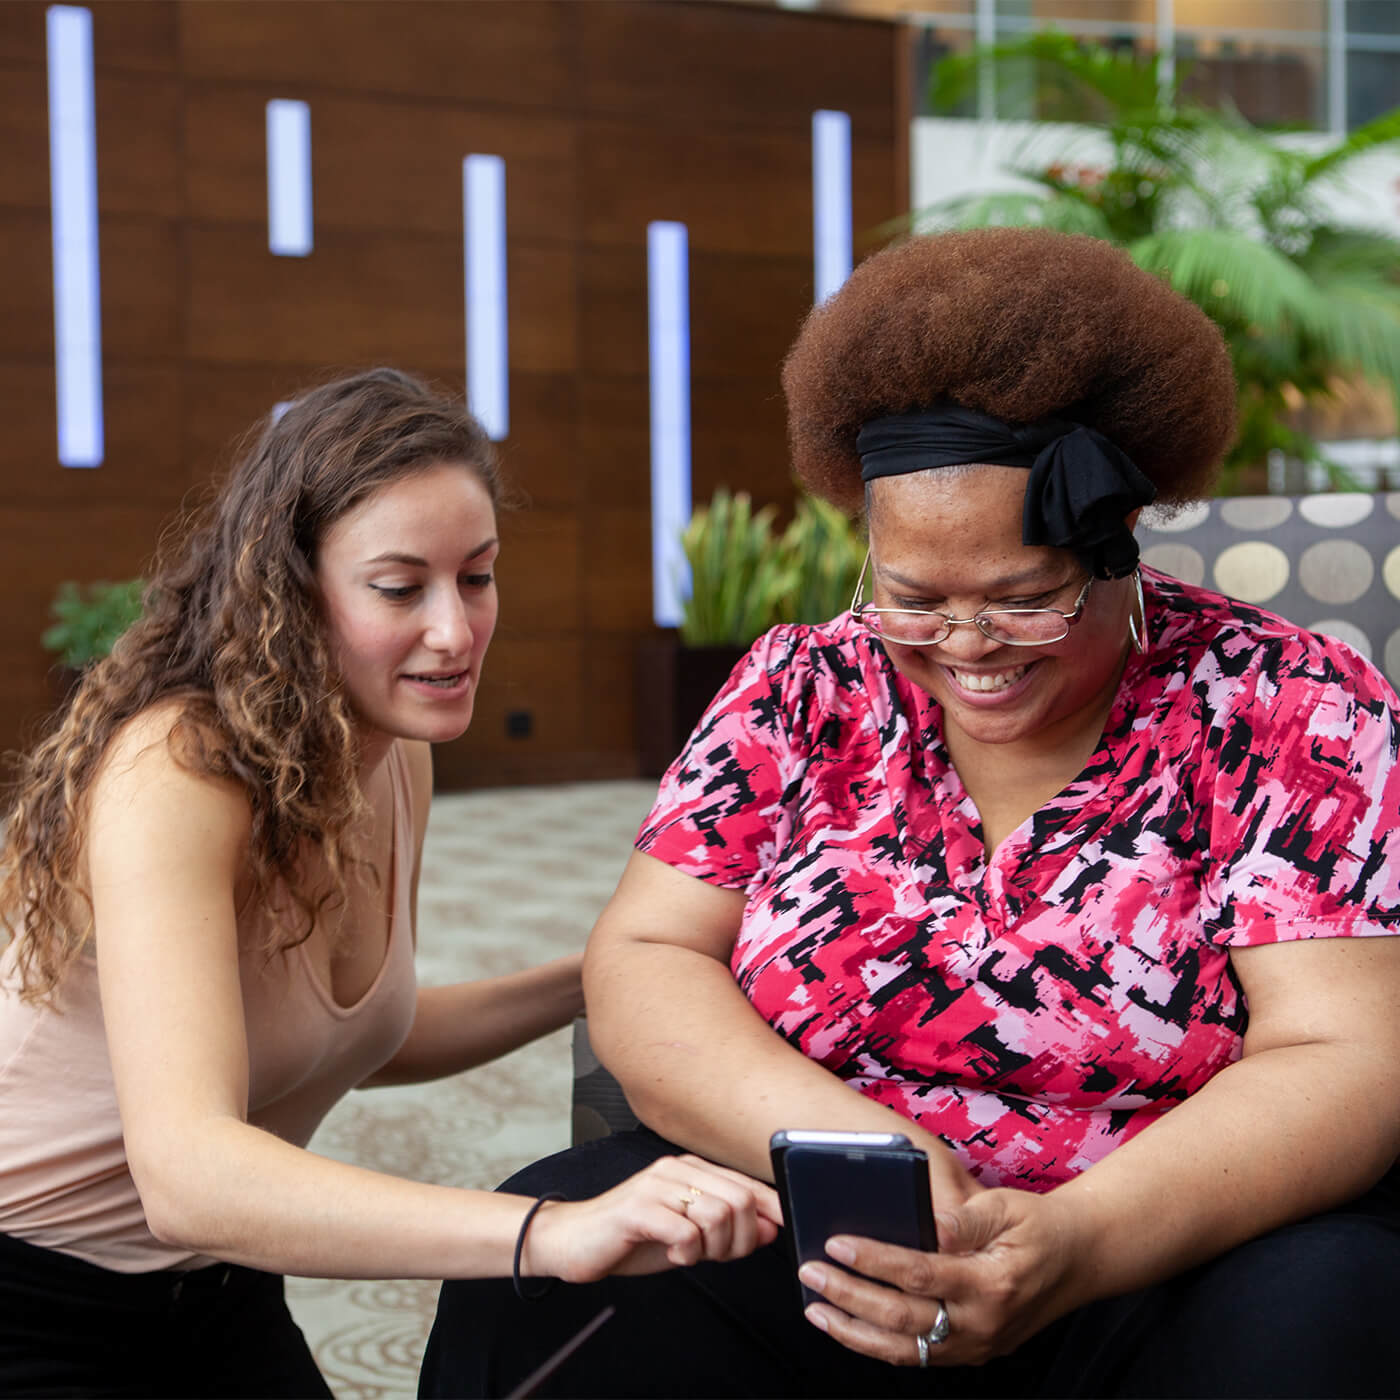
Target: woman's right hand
{"x":676,"y":1212}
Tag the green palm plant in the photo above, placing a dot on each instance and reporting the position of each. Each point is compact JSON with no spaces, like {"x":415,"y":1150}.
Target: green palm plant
{"x":1234,"y":219}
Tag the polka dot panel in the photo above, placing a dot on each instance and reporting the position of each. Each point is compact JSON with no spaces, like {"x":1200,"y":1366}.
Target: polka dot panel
{"x":1256,"y":512}
{"x":1178,"y":560}
{"x":1336,"y":571}
{"x":1336,"y":509}
{"x":1327,"y":562}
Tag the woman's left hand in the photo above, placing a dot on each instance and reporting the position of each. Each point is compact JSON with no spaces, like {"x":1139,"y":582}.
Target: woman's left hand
{"x":1003,"y":1271}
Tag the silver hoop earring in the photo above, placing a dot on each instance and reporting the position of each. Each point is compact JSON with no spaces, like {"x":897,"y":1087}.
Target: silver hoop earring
{"x":1136,"y":635}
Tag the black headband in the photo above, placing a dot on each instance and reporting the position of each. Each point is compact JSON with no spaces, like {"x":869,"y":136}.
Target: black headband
{"x":1081,"y":485}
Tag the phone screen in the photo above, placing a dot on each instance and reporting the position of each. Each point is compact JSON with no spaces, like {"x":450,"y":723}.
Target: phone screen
{"x":869,"y":1184}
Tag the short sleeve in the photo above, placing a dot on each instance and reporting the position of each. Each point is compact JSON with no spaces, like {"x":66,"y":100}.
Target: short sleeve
{"x":1305,"y":821}
{"x":722,"y":807}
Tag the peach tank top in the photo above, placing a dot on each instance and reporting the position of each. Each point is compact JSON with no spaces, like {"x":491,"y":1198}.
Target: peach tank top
{"x":64,"y":1181}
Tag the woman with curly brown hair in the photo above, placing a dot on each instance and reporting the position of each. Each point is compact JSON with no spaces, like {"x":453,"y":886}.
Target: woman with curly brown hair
{"x":1083,"y":879}
{"x":210,"y":881}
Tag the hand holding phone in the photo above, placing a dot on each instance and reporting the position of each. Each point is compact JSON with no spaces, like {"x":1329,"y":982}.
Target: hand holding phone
{"x":836,"y":1183}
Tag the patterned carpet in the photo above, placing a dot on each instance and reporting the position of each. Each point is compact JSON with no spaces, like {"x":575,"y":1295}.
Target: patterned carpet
{"x":511,"y":877}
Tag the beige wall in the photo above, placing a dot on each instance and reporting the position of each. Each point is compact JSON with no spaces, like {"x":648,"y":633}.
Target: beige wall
{"x":608,"y":115}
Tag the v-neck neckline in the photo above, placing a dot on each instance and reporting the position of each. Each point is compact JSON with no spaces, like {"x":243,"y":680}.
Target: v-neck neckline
{"x":342,"y":1010}
{"x":939,"y":794}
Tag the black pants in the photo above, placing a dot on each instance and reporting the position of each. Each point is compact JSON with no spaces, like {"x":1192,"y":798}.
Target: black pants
{"x":1308,"y":1310}
{"x":70,"y":1328}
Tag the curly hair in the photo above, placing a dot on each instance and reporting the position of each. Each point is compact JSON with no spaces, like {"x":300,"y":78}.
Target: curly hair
{"x":1021,"y":324}
{"x":231,"y":629}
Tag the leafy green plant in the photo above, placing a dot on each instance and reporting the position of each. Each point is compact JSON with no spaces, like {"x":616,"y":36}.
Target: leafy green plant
{"x":89,"y":619}
{"x":825,"y":552}
{"x":1233,"y":218}
{"x":737,"y":572}
{"x":745,"y":576}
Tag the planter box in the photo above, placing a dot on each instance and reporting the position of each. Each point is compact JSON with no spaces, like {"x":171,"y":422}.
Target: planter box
{"x":674,"y":684}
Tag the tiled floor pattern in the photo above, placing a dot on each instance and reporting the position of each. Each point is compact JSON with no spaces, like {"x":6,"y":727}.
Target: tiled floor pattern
{"x":511,"y":877}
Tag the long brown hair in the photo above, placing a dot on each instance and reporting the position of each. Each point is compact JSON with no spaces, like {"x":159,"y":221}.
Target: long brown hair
{"x":231,"y":628}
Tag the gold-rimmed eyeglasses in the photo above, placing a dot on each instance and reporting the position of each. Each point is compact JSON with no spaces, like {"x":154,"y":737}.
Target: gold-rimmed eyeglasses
{"x":920,"y":627}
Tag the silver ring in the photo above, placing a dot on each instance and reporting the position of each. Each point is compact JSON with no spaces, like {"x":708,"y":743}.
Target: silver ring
{"x":942,"y":1325}
{"x":936,"y":1334}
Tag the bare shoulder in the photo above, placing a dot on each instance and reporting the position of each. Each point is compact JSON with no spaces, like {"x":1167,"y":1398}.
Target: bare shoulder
{"x":656,"y":903}
{"x":144,"y":796}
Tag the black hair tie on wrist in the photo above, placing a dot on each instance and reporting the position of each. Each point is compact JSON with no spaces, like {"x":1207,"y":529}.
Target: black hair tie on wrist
{"x":1081,"y":485}
{"x":520,"y":1249}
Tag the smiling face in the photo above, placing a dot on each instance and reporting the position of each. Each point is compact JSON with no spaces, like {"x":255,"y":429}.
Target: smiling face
{"x":409,"y":597}
{"x":951,"y":540}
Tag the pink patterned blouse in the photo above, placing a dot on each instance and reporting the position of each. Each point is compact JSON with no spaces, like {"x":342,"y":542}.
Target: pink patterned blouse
{"x":1039,"y":1008}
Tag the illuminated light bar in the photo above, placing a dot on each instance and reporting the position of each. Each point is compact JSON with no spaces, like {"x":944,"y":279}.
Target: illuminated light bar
{"x":484,"y":252}
{"x":831,"y":201}
{"x":668,"y":311}
{"x":77,"y":289}
{"x":289,"y":178}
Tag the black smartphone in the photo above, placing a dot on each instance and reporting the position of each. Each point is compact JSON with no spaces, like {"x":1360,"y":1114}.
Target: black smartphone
{"x":833,"y":1183}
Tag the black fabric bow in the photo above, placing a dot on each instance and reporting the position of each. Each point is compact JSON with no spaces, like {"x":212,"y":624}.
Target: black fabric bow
{"x":1080,"y":489}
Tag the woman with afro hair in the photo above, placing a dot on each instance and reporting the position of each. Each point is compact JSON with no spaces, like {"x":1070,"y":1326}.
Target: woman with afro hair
{"x":1084,"y":879}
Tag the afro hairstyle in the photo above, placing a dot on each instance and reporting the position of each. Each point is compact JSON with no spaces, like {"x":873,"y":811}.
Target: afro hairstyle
{"x":1019,"y":323}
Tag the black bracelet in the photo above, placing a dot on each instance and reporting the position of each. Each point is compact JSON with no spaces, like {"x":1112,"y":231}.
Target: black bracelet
{"x":520,"y":1249}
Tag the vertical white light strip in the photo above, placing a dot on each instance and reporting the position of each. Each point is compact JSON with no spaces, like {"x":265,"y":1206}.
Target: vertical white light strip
{"x":77,"y":293}
{"x":1166,"y":47}
{"x":668,"y":313}
{"x":1337,"y":67}
{"x":831,"y":201}
{"x":289,"y":178}
{"x":986,"y":68}
{"x":484,"y":251}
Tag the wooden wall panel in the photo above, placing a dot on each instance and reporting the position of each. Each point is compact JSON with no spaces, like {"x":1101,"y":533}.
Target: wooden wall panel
{"x":26,"y":295}
{"x":541,"y":458}
{"x":390,"y":164}
{"x":612,"y":310}
{"x":138,"y":144}
{"x":22,"y":32}
{"x":609,"y":115}
{"x":606,"y":702}
{"x":43,"y":546}
{"x":538,"y":571}
{"x":740,"y":434}
{"x":744,"y":311}
{"x":24,"y":137}
{"x":477,"y":51}
{"x":736,"y":189}
{"x":672,"y":63}
{"x":616,"y":579}
{"x":141,"y":305}
{"x":143,"y":422}
{"x":140,"y":298}
{"x":364,"y":298}
{"x":137,"y":35}
{"x":614,"y":438}
{"x":361,"y":299}
{"x":223,"y":401}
